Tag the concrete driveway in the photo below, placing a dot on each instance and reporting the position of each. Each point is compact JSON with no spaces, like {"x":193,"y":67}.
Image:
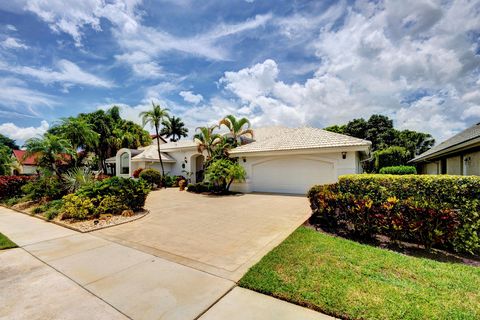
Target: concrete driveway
{"x":223,"y":236}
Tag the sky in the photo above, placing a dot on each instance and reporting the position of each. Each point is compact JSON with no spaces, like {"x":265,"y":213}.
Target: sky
{"x":291,"y":63}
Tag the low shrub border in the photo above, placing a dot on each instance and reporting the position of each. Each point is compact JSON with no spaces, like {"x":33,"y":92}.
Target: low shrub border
{"x":399,"y":170}
{"x":11,"y":186}
{"x":442,"y":211}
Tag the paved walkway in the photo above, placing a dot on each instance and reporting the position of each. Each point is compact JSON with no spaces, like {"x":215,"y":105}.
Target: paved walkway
{"x":61,"y":274}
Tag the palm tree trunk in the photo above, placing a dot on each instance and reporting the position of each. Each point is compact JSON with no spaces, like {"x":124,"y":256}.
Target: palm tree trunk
{"x":160,"y":157}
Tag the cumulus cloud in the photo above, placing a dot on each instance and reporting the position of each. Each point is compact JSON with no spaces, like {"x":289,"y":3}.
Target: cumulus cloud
{"x":23,"y":133}
{"x":189,"y":96}
{"x":67,"y":74}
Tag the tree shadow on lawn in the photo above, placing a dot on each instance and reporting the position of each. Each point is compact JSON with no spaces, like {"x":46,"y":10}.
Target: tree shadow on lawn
{"x":409,"y":249}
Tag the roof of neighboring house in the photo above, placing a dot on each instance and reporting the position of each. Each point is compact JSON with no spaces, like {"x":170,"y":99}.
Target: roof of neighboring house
{"x":451,"y":143}
{"x":151,"y":154}
{"x":286,"y":139}
{"x":29,"y":161}
{"x":186,"y":143}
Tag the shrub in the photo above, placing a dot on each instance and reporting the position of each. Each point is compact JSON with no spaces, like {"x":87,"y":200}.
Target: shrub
{"x":429,"y":210}
{"x":132,"y":193}
{"x":76,"y":178}
{"x":11,"y":186}
{"x":399,"y":170}
{"x":50,"y":209}
{"x":152,"y":177}
{"x":137,"y":172}
{"x":110,"y":204}
{"x":77,"y":207}
{"x":200,"y":187}
{"x":392,"y":156}
{"x":47,"y":185}
{"x":223,"y":172}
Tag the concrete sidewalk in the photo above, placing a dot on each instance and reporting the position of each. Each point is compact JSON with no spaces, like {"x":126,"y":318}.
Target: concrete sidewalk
{"x":61,"y":274}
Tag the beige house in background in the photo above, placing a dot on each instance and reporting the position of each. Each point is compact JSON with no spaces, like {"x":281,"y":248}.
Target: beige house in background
{"x":459,"y":155}
{"x":278,"y":159}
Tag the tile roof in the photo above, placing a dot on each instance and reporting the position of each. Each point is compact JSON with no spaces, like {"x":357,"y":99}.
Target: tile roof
{"x":20,"y":154}
{"x":151,"y":154}
{"x":464,"y":136}
{"x":282,"y":139}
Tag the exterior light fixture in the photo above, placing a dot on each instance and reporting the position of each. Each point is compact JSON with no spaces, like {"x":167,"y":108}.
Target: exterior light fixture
{"x":344,"y":155}
{"x":185,"y":160}
{"x":244,"y":159}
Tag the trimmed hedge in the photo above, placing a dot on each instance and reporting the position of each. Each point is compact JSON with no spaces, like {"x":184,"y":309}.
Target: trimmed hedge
{"x":391,"y":156}
{"x":399,"y":170}
{"x":431,"y":210}
{"x":152,"y":177}
{"x":11,"y":186}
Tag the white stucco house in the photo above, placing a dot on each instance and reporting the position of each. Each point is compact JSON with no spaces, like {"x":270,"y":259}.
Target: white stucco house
{"x":278,"y":159}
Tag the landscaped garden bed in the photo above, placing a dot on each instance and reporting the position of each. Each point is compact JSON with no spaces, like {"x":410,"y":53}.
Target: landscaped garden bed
{"x":91,"y":205}
{"x":350,"y":280}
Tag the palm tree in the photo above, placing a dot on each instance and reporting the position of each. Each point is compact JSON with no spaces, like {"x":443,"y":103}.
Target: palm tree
{"x":174,"y":127}
{"x":79,"y":132}
{"x":206,"y":139}
{"x":155,"y":118}
{"x":51,"y":149}
{"x":238,"y":128}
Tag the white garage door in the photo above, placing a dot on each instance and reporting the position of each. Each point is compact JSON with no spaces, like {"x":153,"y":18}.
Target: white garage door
{"x":291,"y":175}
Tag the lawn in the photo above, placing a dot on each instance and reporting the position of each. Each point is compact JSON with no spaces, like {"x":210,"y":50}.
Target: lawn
{"x":355,"y":281}
{"x":6,"y":243}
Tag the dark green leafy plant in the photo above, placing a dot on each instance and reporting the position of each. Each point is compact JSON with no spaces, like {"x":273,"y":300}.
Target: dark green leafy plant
{"x":441,"y":211}
{"x":47,"y":185}
{"x":221,"y":173}
{"x":152,"y":176}
{"x":391,"y":156}
{"x":399,"y":170}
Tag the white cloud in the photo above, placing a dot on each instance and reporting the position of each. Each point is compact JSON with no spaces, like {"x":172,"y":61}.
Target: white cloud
{"x":13,"y":43}
{"x":23,"y":133}
{"x":11,"y":27}
{"x":189,"y":96}
{"x":19,"y":100}
{"x":72,"y":16}
{"x":67,"y":73}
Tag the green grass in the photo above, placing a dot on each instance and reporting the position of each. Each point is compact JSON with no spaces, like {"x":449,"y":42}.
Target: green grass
{"x":6,"y":243}
{"x":355,"y":281}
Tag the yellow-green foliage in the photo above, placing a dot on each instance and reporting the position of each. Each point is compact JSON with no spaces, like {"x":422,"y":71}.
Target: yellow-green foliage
{"x":427,"y":209}
{"x":110,"y":204}
{"x":77,"y":207}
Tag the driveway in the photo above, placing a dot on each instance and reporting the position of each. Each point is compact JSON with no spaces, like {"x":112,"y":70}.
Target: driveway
{"x":223,"y":236}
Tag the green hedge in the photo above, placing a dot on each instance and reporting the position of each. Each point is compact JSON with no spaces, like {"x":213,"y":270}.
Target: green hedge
{"x":438,"y":210}
{"x":152,"y":177}
{"x":399,"y":170}
{"x":391,"y":156}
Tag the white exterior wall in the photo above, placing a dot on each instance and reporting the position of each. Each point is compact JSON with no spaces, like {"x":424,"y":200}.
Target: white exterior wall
{"x":431,"y":168}
{"x":333,"y":161}
{"x":28,"y":170}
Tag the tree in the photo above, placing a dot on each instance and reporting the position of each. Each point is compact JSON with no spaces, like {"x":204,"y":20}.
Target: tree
{"x":6,"y":141}
{"x":238,"y":128}
{"x":223,"y":172}
{"x":336,"y":129}
{"x":206,"y":140}
{"x":78,"y":131}
{"x":155,"y":118}
{"x":50,"y":149}
{"x":174,"y":127}
{"x":6,"y":161}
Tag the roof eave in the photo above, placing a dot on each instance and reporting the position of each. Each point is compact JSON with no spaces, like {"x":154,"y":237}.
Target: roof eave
{"x":362,"y":148}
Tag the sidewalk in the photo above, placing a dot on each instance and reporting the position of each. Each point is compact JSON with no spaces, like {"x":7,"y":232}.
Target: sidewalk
{"x":58,"y":273}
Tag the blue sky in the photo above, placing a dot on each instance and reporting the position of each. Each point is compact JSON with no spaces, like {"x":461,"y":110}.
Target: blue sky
{"x":290,"y":63}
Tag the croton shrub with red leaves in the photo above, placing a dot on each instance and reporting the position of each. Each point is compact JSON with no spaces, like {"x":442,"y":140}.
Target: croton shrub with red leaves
{"x":441,"y":211}
{"x":11,"y":186}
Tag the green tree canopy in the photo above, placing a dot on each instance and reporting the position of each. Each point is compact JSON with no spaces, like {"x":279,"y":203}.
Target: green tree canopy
{"x":6,"y":141}
{"x":173,"y":128}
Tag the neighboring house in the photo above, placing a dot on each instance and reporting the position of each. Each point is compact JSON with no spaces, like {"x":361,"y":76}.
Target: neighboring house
{"x":459,"y":155}
{"x":22,"y":164}
{"x":279,"y":159}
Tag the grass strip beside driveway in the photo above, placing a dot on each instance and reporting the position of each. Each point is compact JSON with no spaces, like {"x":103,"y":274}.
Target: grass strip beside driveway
{"x":6,"y":243}
{"x":350,"y":280}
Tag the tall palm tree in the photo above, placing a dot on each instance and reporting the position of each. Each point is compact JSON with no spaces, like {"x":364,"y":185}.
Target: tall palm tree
{"x":174,"y":127}
{"x":238,"y":128}
{"x":79,"y":132}
{"x":50,"y":149}
{"x":155,"y":118}
{"x":206,"y":139}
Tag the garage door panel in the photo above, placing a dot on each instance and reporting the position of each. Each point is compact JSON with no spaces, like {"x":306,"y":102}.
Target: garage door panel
{"x":289,"y":175}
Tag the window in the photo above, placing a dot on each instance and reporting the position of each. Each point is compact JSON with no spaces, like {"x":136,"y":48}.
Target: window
{"x":125,"y":163}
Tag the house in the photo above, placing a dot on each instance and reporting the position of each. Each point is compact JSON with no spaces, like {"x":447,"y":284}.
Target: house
{"x":22,"y":164}
{"x":279,"y":159}
{"x":459,"y":155}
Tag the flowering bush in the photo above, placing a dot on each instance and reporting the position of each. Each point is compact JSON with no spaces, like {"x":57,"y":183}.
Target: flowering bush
{"x":11,"y":186}
{"x":137,"y":172}
{"x":429,"y":210}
